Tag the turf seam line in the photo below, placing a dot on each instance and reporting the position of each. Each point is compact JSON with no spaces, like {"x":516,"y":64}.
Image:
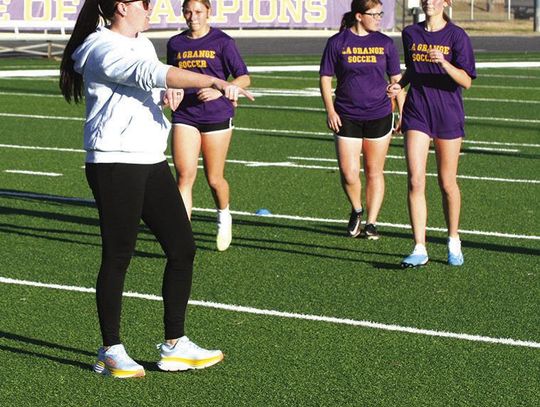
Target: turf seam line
{"x":291,"y":315}
{"x":278,"y":216}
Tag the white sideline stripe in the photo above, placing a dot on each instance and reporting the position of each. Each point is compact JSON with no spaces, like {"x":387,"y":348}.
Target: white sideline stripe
{"x":500,"y":119}
{"x":312,"y":92}
{"x":292,"y":315}
{"x":37,"y":116}
{"x":287,"y":164}
{"x":318,"y":109}
{"x":277,"y":216}
{"x":47,"y":174}
{"x":502,"y":100}
{"x":507,"y":87}
{"x":279,"y":68}
{"x":297,"y":93}
{"x":43,"y":95}
{"x":487,"y":75}
{"x":69,"y":150}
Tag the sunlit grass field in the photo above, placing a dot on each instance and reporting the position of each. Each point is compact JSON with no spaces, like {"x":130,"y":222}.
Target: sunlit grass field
{"x":305,"y":315}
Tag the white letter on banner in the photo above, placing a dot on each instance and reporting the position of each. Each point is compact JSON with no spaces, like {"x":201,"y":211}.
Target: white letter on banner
{"x":290,"y":8}
{"x":272,"y":14}
{"x":63,"y":9}
{"x":164,"y":8}
{"x":245,"y":17}
{"x":222,"y":10}
{"x":316,"y":7}
{"x":4,"y":15}
{"x":46,"y":7}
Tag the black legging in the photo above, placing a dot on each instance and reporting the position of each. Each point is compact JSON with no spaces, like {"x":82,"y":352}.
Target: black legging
{"x":125,"y":194}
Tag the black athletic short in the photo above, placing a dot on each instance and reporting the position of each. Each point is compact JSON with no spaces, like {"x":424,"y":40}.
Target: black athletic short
{"x":366,"y":129}
{"x":209,"y":127}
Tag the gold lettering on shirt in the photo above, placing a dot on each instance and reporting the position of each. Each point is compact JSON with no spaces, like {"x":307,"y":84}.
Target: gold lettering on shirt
{"x":195,"y":59}
{"x":362,"y":55}
{"x":420,"y":52}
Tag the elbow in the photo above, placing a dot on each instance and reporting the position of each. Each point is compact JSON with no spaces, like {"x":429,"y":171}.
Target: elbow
{"x":467,"y":84}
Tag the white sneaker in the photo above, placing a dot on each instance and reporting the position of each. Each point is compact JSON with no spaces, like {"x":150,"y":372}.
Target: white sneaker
{"x":224,"y":231}
{"x":116,"y":362}
{"x":186,"y":355}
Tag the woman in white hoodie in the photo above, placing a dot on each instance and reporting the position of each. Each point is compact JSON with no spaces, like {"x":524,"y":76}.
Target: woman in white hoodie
{"x":125,"y":137}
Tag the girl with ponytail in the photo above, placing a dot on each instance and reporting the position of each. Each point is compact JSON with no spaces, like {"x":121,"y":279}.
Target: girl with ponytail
{"x":123,"y":82}
{"x":361,"y":115}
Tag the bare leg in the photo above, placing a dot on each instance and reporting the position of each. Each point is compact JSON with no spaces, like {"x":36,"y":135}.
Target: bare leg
{"x":215,"y":146}
{"x":374,"y":158}
{"x":447,"y":165}
{"x":348,"y":152}
{"x":186,"y":145}
{"x":416,"y":151}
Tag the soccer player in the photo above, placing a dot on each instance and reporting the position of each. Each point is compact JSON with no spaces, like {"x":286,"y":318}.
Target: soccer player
{"x":361,"y":115}
{"x":203,"y":121}
{"x":125,"y":136}
{"x":439,"y":63}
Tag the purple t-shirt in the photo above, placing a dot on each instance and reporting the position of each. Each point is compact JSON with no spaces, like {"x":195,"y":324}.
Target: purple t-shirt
{"x":360,"y":64}
{"x":434,"y":104}
{"x":214,"y":54}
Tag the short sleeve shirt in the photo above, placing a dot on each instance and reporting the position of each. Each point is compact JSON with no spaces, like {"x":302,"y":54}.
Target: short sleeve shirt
{"x":216,"y":55}
{"x":434,"y":101}
{"x":361,"y":65}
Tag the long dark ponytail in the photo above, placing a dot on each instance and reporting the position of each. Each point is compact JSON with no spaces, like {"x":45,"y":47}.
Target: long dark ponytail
{"x":92,"y":12}
{"x":357,"y":6}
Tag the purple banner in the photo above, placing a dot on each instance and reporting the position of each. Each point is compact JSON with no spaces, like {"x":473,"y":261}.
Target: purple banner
{"x":167,"y":14}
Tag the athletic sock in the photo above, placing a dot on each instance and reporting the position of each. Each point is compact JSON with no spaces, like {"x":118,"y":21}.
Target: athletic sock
{"x":223,"y":214}
{"x":420,"y":248}
{"x":454,"y":245}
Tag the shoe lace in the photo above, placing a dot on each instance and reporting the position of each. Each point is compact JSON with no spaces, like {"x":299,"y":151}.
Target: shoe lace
{"x":186,"y":342}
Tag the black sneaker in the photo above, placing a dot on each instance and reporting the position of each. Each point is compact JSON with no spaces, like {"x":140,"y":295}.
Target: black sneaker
{"x":355,"y":223}
{"x":370,"y":232}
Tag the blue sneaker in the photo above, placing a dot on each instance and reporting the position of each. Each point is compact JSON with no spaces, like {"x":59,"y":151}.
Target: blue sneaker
{"x":455,"y":259}
{"x":415,"y":260}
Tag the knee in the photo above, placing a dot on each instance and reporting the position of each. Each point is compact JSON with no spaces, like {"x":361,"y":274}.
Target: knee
{"x":216,"y":182}
{"x":448,"y":187}
{"x":373,"y":175}
{"x":186,"y":178}
{"x":182,"y":255}
{"x":417,"y":184}
{"x":350,"y":176}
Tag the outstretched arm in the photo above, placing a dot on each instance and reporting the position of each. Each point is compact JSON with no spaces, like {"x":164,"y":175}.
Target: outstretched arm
{"x":181,"y":78}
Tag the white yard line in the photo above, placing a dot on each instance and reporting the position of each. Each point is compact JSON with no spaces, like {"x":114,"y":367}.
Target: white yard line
{"x":279,"y":216}
{"x":24,"y":172}
{"x":320,"y":109}
{"x":292,"y":315}
{"x":288,"y":164}
{"x":17,"y":73}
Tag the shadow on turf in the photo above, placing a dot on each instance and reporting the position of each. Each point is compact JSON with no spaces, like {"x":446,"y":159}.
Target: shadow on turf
{"x":145,"y":234}
{"x":45,"y":344}
{"x":338,"y":231}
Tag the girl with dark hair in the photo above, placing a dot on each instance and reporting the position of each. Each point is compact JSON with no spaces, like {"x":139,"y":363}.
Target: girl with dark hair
{"x":203,"y":121}
{"x":125,"y":136}
{"x":361,"y":115}
{"x":440,"y":62}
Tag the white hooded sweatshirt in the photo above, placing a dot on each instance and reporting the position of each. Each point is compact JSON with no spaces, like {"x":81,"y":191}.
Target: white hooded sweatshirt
{"x":124,"y":117}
